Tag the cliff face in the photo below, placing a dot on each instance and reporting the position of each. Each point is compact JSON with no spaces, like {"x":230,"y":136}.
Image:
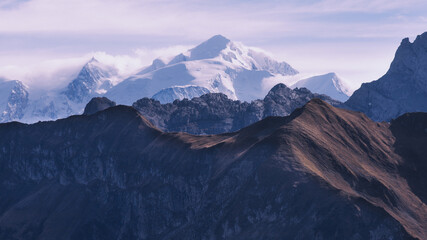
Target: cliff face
{"x":321,"y":173}
{"x":402,"y":89}
{"x":215,"y":113}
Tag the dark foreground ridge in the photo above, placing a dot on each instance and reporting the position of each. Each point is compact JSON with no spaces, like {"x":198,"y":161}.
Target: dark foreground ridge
{"x":215,"y":113}
{"x":321,"y":173}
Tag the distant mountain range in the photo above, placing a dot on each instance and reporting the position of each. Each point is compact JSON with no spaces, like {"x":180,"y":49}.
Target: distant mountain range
{"x":217,"y":65}
{"x":320,"y":173}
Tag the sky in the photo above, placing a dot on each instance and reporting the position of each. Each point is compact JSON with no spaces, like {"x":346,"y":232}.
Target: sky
{"x":44,"y":42}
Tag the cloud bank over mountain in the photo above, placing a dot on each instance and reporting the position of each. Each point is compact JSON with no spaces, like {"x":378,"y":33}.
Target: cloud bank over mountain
{"x":56,"y":73}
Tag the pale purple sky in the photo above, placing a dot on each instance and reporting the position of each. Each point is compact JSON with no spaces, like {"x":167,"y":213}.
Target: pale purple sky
{"x":44,"y":41}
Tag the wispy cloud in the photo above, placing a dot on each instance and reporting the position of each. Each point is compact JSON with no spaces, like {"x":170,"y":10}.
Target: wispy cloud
{"x":54,"y":73}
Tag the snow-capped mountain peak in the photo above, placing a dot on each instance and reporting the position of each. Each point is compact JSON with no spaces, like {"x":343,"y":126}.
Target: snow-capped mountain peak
{"x":218,"y":65}
{"x":157,"y":63}
{"x":94,"y":79}
{"x":237,"y":54}
{"x":329,"y":84}
{"x":210,"y":48}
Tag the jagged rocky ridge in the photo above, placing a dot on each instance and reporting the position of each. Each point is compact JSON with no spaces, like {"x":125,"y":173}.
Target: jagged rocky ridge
{"x":215,"y":113}
{"x":321,"y":173}
{"x":402,"y":89}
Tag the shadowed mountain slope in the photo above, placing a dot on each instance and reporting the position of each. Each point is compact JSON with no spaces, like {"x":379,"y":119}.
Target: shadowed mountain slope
{"x":321,"y":173}
{"x":402,"y":89}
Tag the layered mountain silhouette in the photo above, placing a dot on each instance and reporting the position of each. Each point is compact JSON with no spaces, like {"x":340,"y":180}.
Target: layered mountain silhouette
{"x":320,"y":173}
{"x":215,"y":113}
{"x":402,"y":89}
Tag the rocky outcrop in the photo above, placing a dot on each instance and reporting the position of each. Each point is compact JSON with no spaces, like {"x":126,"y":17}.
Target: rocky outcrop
{"x":215,"y":113}
{"x":98,"y":104}
{"x":402,"y":89}
{"x":321,"y":173}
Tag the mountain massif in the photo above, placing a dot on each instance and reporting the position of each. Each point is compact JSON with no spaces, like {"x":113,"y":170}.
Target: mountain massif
{"x":218,"y":65}
{"x":215,"y":113}
{"x":402,"y":89}
{"x":320,"y":173}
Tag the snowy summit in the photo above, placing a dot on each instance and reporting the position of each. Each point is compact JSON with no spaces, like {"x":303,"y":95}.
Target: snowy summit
{"x":218,"y":65}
